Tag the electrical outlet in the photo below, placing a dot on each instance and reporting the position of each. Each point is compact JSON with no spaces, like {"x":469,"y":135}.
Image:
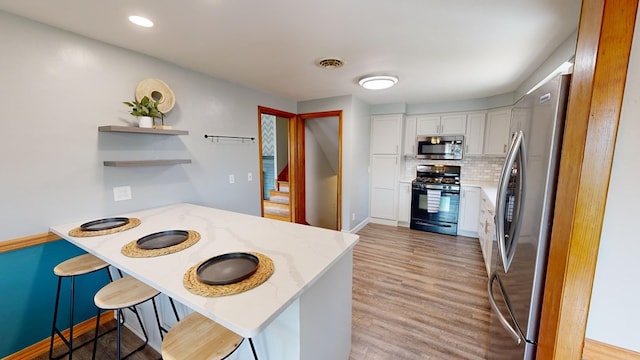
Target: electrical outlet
{"x":121,"y":193}
{"x":249,"y":177}
{"x":232,"y":179}
{"x":353,"y":216}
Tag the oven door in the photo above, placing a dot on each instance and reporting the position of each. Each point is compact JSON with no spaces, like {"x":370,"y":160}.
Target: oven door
{"x":435,"y":209}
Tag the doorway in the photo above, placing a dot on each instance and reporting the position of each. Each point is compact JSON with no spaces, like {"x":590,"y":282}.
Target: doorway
{"x":276,"y":172}
{"x":301,"y":167}
{"x":319,"y":166}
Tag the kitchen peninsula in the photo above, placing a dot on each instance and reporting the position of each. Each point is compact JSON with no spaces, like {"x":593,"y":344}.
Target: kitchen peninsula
{"x":303,"y":311}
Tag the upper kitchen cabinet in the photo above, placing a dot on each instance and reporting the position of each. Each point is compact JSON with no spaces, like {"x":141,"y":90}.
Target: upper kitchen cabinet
{"x":410,"y":136}
{"x":474,"y":136}
{"x":386,"y":134}
{"x":441,"y":125}
{"x":497,"y":132}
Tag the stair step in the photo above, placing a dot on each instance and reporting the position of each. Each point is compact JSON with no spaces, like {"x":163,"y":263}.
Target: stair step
{"x":283,"y":186}
{"x":279,"y":197}
{"x":276,"y":208}
{"x":277,"y":217}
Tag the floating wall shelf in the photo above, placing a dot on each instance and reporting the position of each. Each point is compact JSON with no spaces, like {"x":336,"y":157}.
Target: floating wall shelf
{"x":132,"y":163}
{"x":138,"y":130}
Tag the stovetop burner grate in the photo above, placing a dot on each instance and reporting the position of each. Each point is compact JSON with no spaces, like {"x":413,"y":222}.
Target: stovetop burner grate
{"x":437,"y":174}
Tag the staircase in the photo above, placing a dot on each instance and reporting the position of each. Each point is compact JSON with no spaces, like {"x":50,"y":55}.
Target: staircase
{"x":278,"y":206}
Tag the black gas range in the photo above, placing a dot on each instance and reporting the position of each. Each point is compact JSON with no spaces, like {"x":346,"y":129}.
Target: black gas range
{"x":435,"y":199}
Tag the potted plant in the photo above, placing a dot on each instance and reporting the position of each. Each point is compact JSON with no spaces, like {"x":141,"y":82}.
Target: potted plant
{"x":145,"y":111}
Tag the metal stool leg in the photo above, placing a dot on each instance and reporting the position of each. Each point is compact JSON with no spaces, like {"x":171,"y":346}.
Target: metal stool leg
{"x":54,"y":328}
{"x":155,"y":311}
{"x":253,"y":349}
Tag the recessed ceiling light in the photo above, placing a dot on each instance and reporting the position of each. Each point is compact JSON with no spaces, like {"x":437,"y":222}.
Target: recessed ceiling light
{"x":378,"y":82}
{"x":141,"y":21}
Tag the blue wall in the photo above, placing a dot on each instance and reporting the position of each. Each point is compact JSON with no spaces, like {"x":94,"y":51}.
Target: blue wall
{"x":27,"y":294}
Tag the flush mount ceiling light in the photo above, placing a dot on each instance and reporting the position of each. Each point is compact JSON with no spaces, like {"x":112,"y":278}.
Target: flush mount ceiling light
{"x":141,"y":21}
{"x":378,"y":82}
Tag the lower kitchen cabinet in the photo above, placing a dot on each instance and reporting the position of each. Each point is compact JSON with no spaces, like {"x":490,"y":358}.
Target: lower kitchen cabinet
{"x":468,"y":217}
{"x":404,"y":203}
{"x":486,"y":229}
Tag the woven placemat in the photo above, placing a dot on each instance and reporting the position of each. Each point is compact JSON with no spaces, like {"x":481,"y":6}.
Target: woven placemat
{"x":133,"y":250}
{"x":264,"y":271}
{"x":77,"y":232}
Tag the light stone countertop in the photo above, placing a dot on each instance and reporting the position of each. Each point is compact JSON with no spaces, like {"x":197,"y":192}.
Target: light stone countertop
{"x":301,"y":255}
{"x":489,"y":188}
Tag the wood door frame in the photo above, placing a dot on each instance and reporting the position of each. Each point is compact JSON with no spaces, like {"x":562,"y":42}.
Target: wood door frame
{"x":291,"y":146}
{"x":300,"y":164}
{"x":602,"y":57}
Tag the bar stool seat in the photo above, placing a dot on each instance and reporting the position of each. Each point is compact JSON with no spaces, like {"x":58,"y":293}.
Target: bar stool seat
{"x":197,"y":337}
{"x":79,"y":265}
{"x":123,"y":293}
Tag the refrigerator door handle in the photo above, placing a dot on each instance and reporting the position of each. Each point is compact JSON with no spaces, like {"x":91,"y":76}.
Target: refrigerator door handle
{"x":517,"y":211}
{"x":516,"y":148}
{"x":505,"y":323}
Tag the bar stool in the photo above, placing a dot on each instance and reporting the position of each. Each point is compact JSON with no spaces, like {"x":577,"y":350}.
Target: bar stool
{"x":126,"y":293}
{"x":79,"y":265}
{"x":197,"y":337}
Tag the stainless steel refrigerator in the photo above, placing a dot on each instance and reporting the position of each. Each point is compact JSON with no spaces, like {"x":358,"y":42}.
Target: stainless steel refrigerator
{"x":524,"y":215}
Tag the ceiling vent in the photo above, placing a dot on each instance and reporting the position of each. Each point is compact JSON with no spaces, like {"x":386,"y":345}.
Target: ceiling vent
{"x":330,"y":63}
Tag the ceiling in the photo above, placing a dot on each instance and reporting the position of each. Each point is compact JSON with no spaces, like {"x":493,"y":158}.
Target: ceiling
{"x":442,"y":50}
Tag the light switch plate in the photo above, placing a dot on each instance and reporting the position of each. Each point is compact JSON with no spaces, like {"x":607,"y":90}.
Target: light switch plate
{"x":121,"y":193}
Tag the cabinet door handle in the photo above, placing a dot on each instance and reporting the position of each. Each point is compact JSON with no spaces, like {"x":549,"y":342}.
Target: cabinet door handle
{"x":504,"y":148}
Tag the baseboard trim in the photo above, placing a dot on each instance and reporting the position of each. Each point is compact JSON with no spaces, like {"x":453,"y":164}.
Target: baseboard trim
{"x":596,"y":350}
{"x":383,"y":221}
{"x":358,"y":227}
{"x":42,"y":347}
{"x":27,"y":241}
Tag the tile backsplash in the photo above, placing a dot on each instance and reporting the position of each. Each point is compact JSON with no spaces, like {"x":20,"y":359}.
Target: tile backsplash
{"x":472,"y":168}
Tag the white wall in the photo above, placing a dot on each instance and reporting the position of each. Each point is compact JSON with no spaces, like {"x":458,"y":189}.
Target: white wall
{"x":614,"y":314}
{"x":356,"y":147}
{"x":57,"y":88}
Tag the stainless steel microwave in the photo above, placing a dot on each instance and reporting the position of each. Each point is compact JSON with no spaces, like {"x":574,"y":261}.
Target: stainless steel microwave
{"x":440,"y":147}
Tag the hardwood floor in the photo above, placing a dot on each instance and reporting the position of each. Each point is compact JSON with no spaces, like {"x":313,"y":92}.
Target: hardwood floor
{"x":416,"y":295}
{"x":107,"y":346}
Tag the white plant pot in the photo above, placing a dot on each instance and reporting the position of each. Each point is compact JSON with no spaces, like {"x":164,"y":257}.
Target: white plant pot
{"x":145,"y":121}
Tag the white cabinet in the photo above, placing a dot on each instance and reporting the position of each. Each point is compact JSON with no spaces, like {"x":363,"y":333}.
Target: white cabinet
{"x":486,"y":229}
{"x":404,"y":202}
{"x":474,"y":136}
{"x":386,"y":138}
{"x":428,"y":125}
{"x":469,"y":215}
{"x":384,"y":186}
{"x":453,"y":124}
{"x":497,"y":132}
{"x":386,"y":134}
{"x":410,"y":143}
